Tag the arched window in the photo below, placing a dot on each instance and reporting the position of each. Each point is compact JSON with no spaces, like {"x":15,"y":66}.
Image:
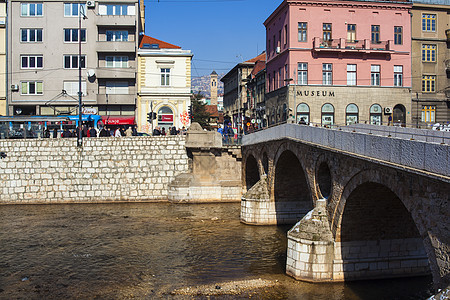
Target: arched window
{"x":399,"y":115}
{"x":351,"y":114}
{"x":375,"y":114}
{"x":302,"y":112}
{"x":165,"y":116}
{"x":327,"y":114}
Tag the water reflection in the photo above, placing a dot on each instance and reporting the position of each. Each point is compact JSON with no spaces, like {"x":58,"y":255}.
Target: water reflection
{"x":118,"y":251}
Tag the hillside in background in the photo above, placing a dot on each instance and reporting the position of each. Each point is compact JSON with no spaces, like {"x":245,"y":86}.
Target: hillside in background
{"x":201,"y":84}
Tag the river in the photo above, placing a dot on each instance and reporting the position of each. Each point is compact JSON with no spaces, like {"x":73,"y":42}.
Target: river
{"x":153,"y":250}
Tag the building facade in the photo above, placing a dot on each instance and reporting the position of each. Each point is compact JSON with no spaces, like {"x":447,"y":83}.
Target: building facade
{"x":164,"y":85}
{"x":256,"y":90}
{"x":3,"y":55}
{"x":431,"y":62}
{"x":235,"y":107}
{"x":339,"y":62}
{"x":44,"y":59}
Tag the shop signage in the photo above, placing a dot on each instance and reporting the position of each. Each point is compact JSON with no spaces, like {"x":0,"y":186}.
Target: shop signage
{"x":167,"y":118}
{"x":316,"y":93}
{"x":89,"y":111}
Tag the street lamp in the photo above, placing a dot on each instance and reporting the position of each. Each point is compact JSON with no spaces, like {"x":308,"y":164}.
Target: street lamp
{"x":80,"y":93}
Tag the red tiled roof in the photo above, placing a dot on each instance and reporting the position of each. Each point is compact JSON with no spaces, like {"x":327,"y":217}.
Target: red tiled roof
{"x":262,"y":57}
{"x":162,"y":45}
{"x":212,"y":110}
{"x":260,"y":65}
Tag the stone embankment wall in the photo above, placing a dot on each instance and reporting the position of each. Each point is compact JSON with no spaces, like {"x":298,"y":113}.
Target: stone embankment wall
{"x":103,"y":170}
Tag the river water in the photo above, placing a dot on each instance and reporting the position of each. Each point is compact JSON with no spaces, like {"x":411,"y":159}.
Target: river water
{"x":150,"y":250}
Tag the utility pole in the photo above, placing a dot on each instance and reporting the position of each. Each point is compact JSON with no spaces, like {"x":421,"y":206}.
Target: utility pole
{"x":80,"y":92}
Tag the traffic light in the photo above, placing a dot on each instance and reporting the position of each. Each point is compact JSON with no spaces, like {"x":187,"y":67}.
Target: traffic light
{"x":149,"y":117}
{"x":153,"y":116}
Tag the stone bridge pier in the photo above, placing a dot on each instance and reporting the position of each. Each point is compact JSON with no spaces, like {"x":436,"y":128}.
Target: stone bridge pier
{"x":356,"y":217}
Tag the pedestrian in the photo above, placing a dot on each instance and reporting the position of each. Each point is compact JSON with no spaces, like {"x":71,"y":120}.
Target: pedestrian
{"x":129,"y":131}
{"x":92,"y":132}
{"x":66,"y":133}
{"x":104,"y":132}
{"x":390,"y":120}
{"x":134,"y":131}
{"x":173,"y":131}
{"x":302,"y":121}
{"x":156,"y":131}
{"x":46,"y":133}
{"x":163,"y":131}
{"x":55,"y":133}
{"x":117,"y":132}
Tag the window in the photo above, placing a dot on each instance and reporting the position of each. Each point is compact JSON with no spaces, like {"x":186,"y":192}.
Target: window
{"x":117,"y":87}
{"x":303,"y":113}
{"x":428,"y":113}
{"x":375,"y":75}
{"x":327,"y":114}
{"x":302,"y":73}
{"x":71,"y":61}
{"x":351,"y":114}
{"x":116,"y":10}
{"x":398,"y":35}
{"x":375,"y":114}
{"x":429,"y":53}
{"x":302,"y":29}
{"x":268,"y":83}
{"x":32,"y":61}
{"x":280,"y":77}
{"x":375,"y":33}
{"x":116,"y":61}
{"x":351,"y":74}
{"x":30,"y":9}
{"x":428,"y":22}
{"x":351,"y":33}
{"x":165,"y":76}
{"x":71,"y":35}
{"x":117,"y":35}
{"x":73,"y":9}
{"x":72,"y":87}
{"x":31,"y":35}
{"x":429,"y":83}
{"x":398,"y":75}
{"x":285,"y":34}
{"x":327,"y":74}
{"x":165,"y":116}
{"x":326,"y":31}
{"x":32,"y":87}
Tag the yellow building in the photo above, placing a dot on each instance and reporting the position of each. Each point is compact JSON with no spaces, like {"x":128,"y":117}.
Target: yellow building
{"x":164,"y":85}
{"x":3,"y":58}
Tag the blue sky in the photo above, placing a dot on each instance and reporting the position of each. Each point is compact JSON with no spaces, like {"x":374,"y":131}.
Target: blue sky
{"x":220,"y":33}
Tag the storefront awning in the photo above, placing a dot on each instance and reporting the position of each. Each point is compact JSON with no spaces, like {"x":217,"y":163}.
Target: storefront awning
{"x":118,"y":120}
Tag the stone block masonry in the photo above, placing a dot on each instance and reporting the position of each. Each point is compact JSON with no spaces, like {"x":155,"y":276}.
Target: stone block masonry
{"x":103,"y":170}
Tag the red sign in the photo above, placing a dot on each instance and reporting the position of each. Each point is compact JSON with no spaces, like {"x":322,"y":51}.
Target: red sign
{"x":166,"y":118}
{"x":118,"y":120}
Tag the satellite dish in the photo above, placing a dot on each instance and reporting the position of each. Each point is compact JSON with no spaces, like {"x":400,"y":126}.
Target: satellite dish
{"x":90,"y":73}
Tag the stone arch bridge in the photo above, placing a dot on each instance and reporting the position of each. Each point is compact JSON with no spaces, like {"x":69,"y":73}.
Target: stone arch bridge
{"x":365,"y":205}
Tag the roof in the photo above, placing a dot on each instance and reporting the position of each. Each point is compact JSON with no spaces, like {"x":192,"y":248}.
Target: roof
{"x":262,"y":57}
{"x":212,"y":110}
{"x":260,"y":65}
{"x":214,"y":72}
{"x":155,"y":44}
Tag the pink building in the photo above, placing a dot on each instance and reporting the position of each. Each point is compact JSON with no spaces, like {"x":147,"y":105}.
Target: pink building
{"x":339,"y":62}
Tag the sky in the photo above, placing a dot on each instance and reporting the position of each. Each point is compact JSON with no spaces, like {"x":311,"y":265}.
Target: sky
{"x":220,"y":33}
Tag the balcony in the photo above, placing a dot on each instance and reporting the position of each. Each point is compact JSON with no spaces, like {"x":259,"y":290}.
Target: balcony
{"x":447,"y":65}
{"x":447,"y":32}
{"x":104,"y":46}
{"x":109,"y":21}
{"x":116,"y":73}
{"x":343,"y":45}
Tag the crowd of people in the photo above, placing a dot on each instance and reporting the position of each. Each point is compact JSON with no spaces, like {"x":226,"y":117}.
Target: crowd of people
{"x":158,"y":131}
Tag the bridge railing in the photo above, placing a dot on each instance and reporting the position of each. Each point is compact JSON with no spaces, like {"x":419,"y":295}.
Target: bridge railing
{"x":427,"y":154}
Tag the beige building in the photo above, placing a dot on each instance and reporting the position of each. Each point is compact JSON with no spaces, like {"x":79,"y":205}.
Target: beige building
{"x":164,"y":85}
{"x":44,"y":39}
{"x":3,"y":69}
{"x":235,"y":90}
{"x":431,"y":62}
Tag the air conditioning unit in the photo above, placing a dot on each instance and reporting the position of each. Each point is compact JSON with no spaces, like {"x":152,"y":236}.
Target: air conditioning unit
{"x":278,"y":50}
{"x":90,"y":4}
{"x":14,"y":87}
{"x":388,"y":110}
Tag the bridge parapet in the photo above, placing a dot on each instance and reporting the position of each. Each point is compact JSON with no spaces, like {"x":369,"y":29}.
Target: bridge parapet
{"x":429,"y":156}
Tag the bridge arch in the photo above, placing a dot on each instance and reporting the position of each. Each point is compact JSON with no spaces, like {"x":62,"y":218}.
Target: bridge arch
{"x":376,"y":232}
{"x":291,"y":189}
{"x":251,"y":171}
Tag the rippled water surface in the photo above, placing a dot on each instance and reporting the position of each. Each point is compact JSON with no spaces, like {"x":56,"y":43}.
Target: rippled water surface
{"x":145,"y":251}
